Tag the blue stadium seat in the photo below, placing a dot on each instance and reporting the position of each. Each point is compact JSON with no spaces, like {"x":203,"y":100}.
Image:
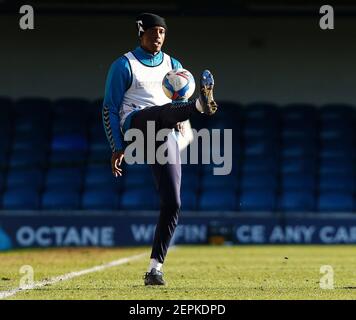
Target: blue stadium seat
{"x":102,"y":177}
{"x":21,"y":199}
{"x":298,"y":147}
{"x":100,"y":199}
{"x":265,"y":181}
{"x":70,"y":178}
{"x":138,"y":179}
{"x":4,"y":155}
{"x":297,"y":201}
{"x":61,"y":199}
{"x":337,"y":111}
{"x":335,"y":148}
{"x":33,"y":107}
{"x":71,"y":106}
{"x":189,"y":199}
{"x":29,"y":141}
{"x":25,"y":178}
{"x":139,"y":199}
{"x":335,"y":202}
{"x":218,"y":199}
{"x":29,"y":125}
{"x":261,"y":110}
{"x":97,"y":133}
{"x":336,"y":182}
{"x":95,"y":109}
{"x":299,"y":112}
{"x":2,"y":180}
{"x":254,"y":200}
{"x":64,"y":157}
{"x":101,"y":157}
{"x":256,"y":164}
{"x":298,"y":181}
{"x":6,"y":119}
{"x":258,"y":147}
{"x":340,"y":165}
{"x":70,"y":142}
{"x":298,"y":129}
{"x":23,"y":159}
{"x":216,"y":181}
{"x":190,"y":181}
{"x":260,"y":129}
{"x":70,"y":124}
{"x":299,"y":165}
{"x":339,"y":130}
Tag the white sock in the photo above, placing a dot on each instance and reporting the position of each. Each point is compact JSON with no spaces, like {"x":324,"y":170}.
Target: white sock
{"x":154,"y":264}
{"x":198,"y":106}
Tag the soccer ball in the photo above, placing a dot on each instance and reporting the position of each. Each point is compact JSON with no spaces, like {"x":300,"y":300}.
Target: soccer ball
{"x":178,"y":84}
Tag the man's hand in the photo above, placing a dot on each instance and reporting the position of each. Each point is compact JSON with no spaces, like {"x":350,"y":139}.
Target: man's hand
{"x":116,"y":160}
{"x":180,"y":127}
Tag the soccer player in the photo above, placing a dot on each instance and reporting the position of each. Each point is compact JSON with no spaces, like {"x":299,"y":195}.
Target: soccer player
{"x":131,"y":100}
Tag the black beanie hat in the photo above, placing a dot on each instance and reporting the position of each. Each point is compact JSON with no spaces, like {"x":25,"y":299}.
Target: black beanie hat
{"x":148,"y":20}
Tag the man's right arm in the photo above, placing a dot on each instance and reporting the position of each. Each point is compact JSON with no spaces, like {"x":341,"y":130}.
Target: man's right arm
{"x":118,"y":81}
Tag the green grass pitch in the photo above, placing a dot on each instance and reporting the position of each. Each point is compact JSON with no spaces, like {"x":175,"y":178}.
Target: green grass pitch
{"x":192,"y":272}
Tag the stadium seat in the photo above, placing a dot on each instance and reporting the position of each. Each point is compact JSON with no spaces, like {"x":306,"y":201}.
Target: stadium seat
{"x":139,"y":199}
{"x":261,"y":110}
{"x":335,"y":148}
{"x":255,"y":200}
{"x":298,"y":181}
{"x":297,"y":201}
{"x":189,"y":199}
{"x":29,"y":141}
{"x":101,"y":176}
{"x":77,"y":142}
{"x":33,"y":107}
{"x":260,"y":129}
{"x":66,"y":157}
{"x":298,"y":147}
{"x":341,"y":165}
{"x":337,"y":111}
{"x":260,"y":164}
{"x":31,"y":179}
{"x":299,"y":112}
{"x":336,"y":182}
{"x":19,"y":158}
{"x":258,"y":147}
{"x":2,"y":180}
{"x":70,"y":124}
{"x":190,"y":181}
{"x":218,"y":199}
{"x":70,"y":178}
{"x":3,"y":157}
{"x":265,"y":181}
{"x":61,"y":199}
{"x":71,"y":106}
{"x":299,"y":165}
{"x":335,"y":202}
{"x":99,"y":157}
{"x":21,"y":199}
{"x":138,"y":179}
{"x":213,"y":181}
{"x":100,"y":199}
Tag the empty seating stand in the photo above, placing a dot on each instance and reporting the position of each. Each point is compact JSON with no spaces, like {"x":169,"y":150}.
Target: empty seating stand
{"x":298,"y":157}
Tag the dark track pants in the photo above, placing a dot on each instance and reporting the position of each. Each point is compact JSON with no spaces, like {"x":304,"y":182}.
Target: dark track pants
{"x":167,"y":176}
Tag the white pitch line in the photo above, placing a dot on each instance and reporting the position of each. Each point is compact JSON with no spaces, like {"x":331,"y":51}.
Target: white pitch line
{"x":9,"y":293}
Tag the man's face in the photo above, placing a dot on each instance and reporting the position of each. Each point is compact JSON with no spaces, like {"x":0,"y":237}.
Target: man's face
{"x":153,"y":39}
